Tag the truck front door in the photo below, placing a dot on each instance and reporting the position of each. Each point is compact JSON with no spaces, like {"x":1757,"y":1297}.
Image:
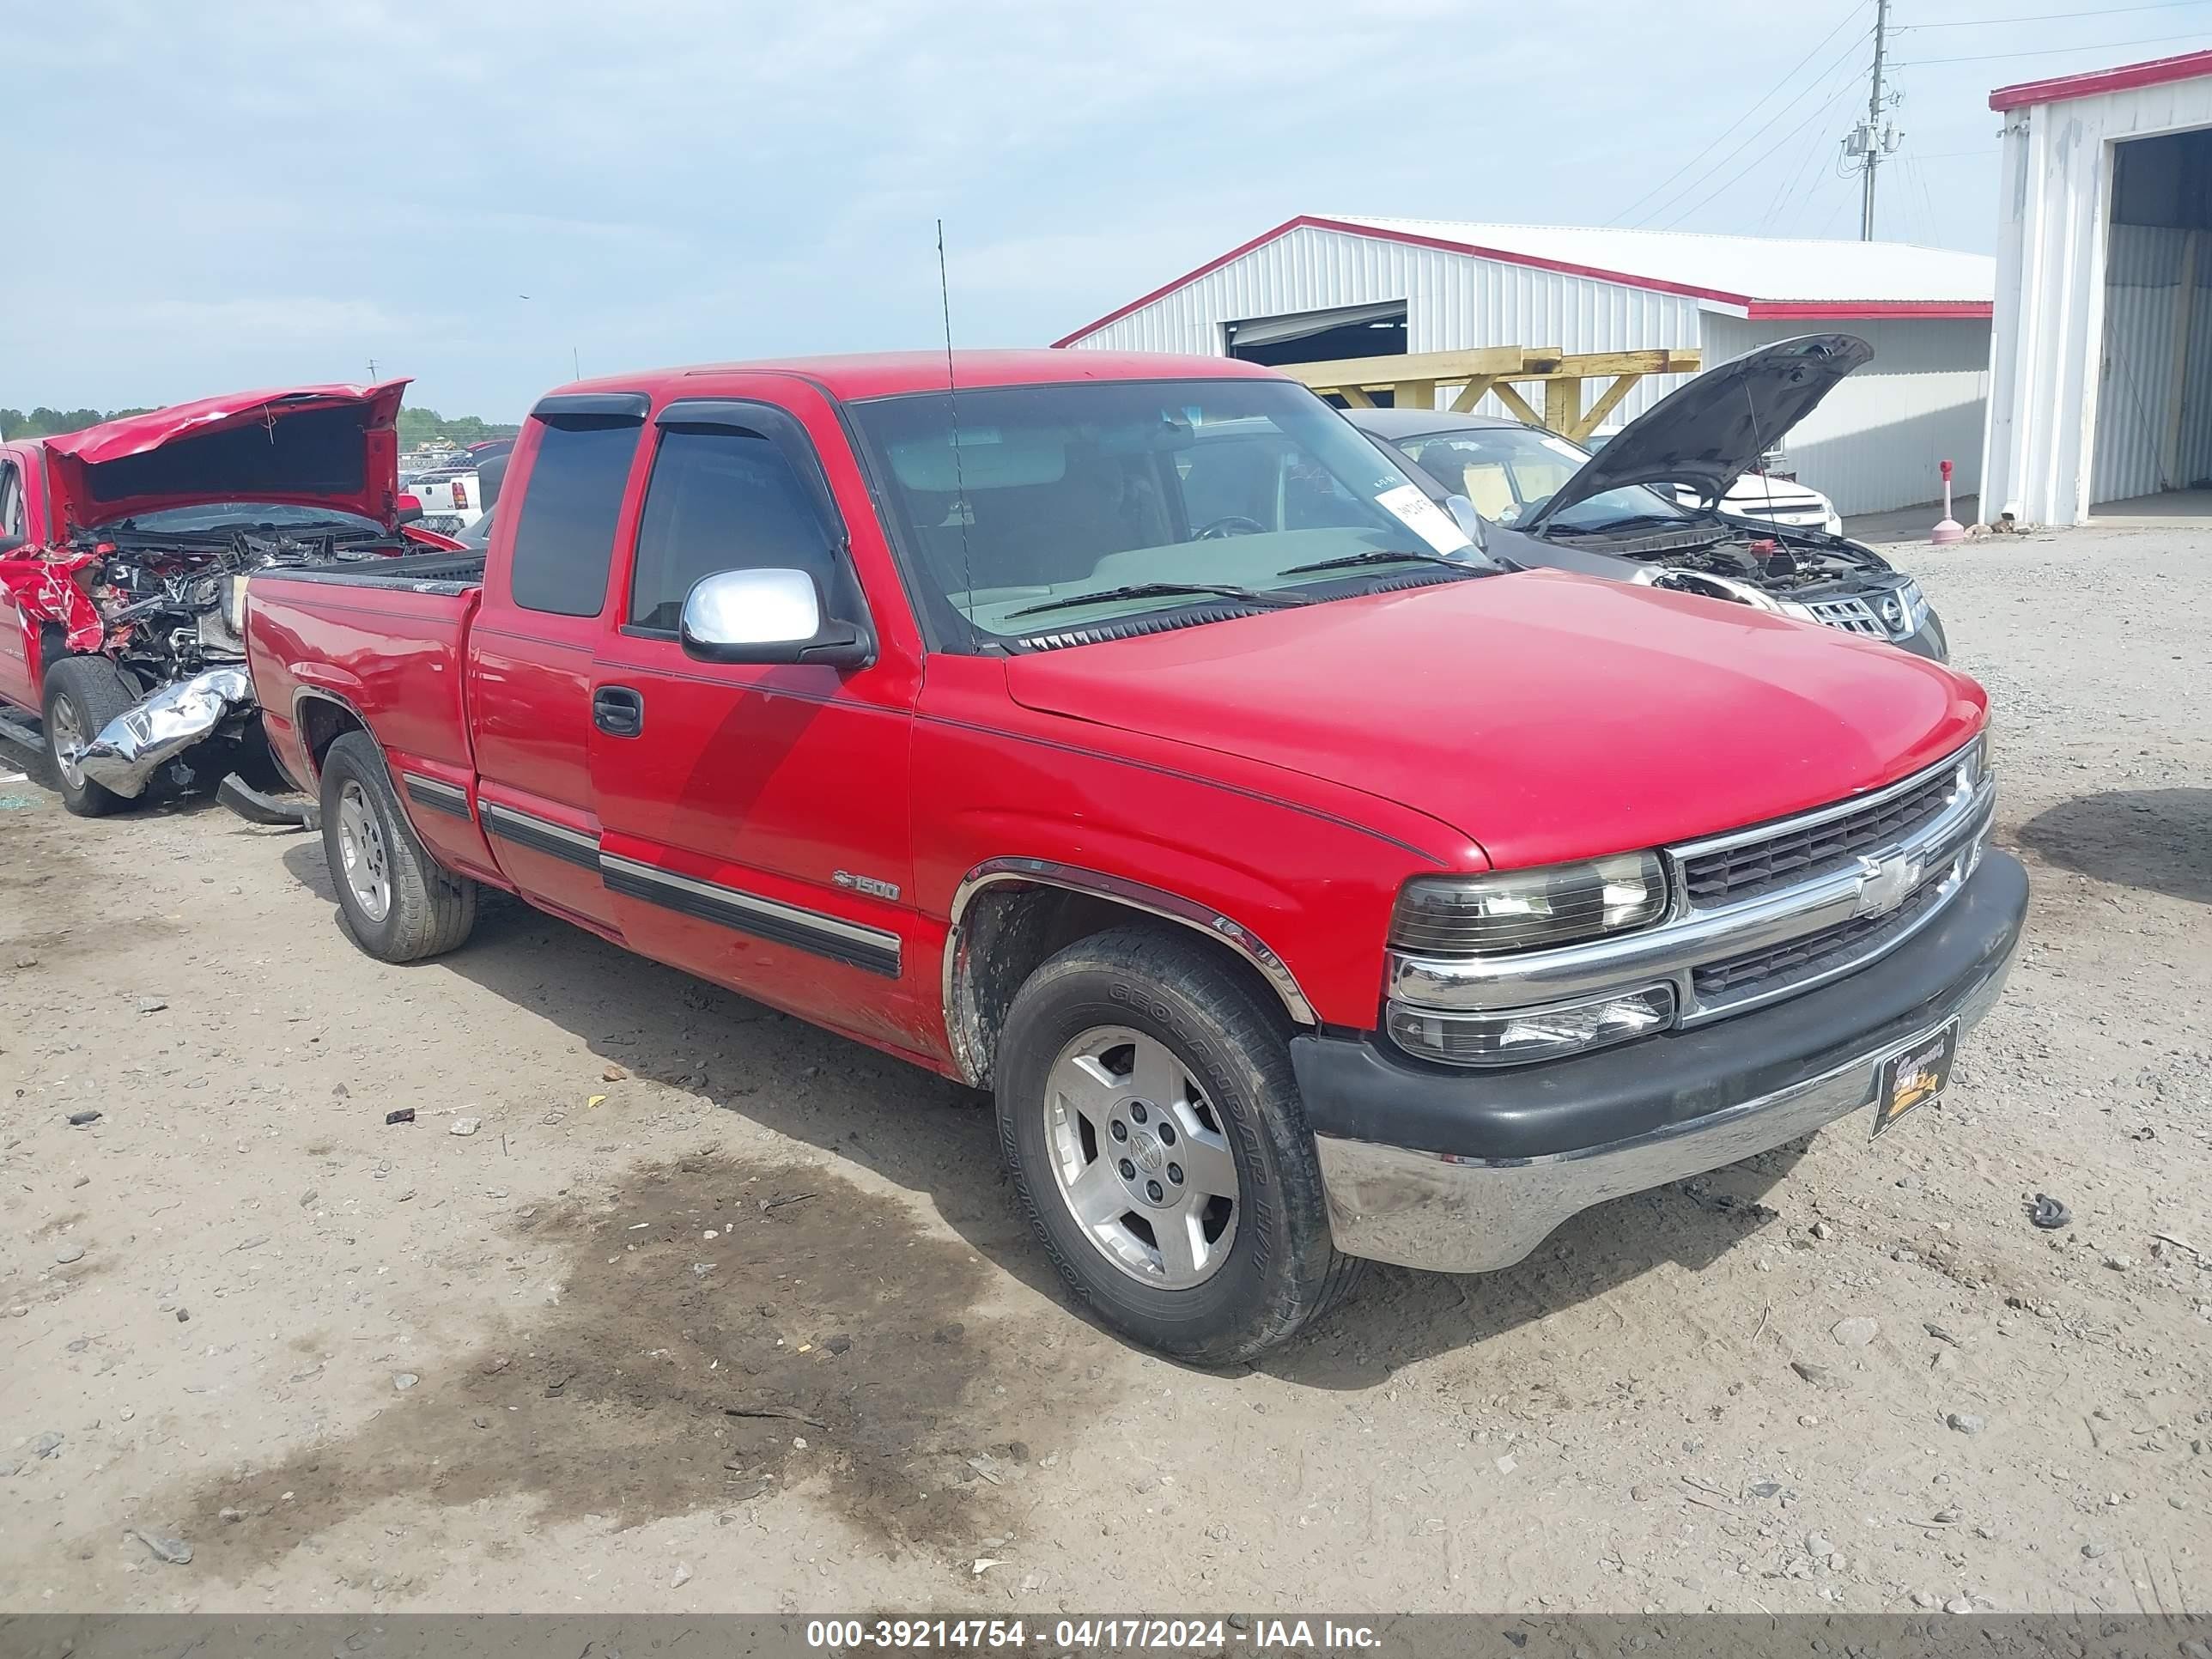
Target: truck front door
{"x":754,"y":820}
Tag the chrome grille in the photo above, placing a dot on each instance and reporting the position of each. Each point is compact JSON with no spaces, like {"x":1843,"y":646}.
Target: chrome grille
{"x":1816,"y":954}
{"x":1852,"y":616}
{"x":1747,"y":867}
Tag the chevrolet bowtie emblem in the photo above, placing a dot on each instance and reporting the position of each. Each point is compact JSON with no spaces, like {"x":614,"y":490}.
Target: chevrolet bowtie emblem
{"x":1885,"y":883}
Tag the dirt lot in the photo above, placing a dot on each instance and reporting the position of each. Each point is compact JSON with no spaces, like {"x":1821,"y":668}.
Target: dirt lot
{"x":357,"y":1366}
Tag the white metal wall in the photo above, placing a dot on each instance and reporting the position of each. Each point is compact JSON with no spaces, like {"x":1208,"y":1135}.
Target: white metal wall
{"x":2045,"y":435}
{"x":1873,"y":445}
{"x":1454,"y":302}
{"x":1878,"y":440}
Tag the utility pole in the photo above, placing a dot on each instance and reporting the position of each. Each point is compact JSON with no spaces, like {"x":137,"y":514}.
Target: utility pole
{"x":372,"y":371}
{"x":1867,"y":143}
{"x":1874,"y":118}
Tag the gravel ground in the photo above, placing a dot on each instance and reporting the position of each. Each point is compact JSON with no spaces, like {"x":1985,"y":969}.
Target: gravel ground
{"x":355,"y":1366}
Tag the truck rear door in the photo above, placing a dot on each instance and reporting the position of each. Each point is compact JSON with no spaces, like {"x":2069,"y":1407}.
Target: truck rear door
{"x":547,"y":602}
{"x":755,"y":820}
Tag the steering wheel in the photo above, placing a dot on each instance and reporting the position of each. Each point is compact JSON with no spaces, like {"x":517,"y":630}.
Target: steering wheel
{"x":1233,"y":524}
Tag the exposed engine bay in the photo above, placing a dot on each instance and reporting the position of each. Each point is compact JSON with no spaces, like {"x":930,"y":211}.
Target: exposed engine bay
{"x":173,"y":605}
{"x":168,"y":610}
{"x":1808,"y":574}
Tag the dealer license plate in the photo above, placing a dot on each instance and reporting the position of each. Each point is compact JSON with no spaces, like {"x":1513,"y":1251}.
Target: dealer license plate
{"x":1915,"y":1075}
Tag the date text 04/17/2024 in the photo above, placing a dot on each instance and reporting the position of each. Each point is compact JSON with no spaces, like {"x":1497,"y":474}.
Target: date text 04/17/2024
{"x":1091,"y":1635}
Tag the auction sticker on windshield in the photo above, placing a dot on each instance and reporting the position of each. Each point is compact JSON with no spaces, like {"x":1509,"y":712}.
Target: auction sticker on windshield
{"x":1423,"y":518}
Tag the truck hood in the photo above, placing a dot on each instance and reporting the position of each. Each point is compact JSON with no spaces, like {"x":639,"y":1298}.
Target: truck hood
{"x":335,"y":446}
{"x":1543,"y":715}
{"x":1710,"y":431}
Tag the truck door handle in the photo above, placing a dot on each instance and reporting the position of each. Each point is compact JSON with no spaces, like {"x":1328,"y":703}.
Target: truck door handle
{"x":618,"y":711}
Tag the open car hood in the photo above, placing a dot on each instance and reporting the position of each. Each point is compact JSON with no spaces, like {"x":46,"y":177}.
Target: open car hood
{"x":1708,"y":433}
{"x":335,"y":446}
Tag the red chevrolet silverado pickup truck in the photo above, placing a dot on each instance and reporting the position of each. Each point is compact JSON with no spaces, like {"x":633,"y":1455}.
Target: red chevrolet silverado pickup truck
{"x":1128,"y":736}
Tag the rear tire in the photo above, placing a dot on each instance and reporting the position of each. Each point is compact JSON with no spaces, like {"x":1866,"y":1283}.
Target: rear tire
{"x":399,"y":902}
{"x":83,"y":693}
{"x":1138,"y":1076}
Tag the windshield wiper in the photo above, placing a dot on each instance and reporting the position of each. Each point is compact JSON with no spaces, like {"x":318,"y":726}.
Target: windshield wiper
{"x":1151,"y":589}
{"x":1389,"y":556}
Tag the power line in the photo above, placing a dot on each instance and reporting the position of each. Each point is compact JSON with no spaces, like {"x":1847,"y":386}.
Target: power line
{"x":1820,"y":114}
{"x":1793,"y":180}
{"x":1841,"y":24}
{"x":2047,"y":17}
{"x":1753,"y":136}
{"x":2050,"y":51}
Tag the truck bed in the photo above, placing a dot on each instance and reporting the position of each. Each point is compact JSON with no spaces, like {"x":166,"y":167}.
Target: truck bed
{"x":387,"y":640}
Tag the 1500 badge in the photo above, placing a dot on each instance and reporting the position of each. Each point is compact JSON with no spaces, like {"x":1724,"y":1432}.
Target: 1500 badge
{"x":868,"y":885}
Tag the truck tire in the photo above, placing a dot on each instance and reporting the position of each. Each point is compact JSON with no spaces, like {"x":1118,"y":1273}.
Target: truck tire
{"x":83,"y":693}
{"x":399,"y":902}
{"x":1137,"y":1077}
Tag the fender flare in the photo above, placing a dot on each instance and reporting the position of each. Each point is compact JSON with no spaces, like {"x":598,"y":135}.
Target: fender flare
{"x":301,"y":696}
{"x":1133,"y":894}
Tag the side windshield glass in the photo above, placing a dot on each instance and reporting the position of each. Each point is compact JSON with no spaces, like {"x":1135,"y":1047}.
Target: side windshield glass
{"x":1016,"y":502}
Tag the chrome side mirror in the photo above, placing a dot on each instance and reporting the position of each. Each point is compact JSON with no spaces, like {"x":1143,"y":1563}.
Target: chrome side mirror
{"x":771,"y":616}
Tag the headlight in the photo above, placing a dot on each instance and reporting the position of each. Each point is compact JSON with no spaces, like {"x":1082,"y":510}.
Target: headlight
{"x":1514,"y":1036}
{"x":1509,"y":910}
{"x":234,"y":603}
{"x":1834,"y":526}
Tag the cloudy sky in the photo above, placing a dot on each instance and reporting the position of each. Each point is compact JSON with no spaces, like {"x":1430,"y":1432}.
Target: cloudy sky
{"x":234,"y":194}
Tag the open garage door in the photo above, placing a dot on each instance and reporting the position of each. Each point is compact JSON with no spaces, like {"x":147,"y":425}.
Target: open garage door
{"x":1321,"y":336}
{"x":2153,"y":446}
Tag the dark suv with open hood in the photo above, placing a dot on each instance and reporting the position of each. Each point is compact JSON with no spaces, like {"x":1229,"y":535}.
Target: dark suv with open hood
{"x":1545,"y":502}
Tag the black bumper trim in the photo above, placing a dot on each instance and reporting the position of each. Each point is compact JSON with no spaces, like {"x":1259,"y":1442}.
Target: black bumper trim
{"x":1361,"y":1088}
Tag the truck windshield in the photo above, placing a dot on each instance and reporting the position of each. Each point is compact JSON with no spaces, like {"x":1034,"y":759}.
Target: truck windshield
{"x":1038,"y":509}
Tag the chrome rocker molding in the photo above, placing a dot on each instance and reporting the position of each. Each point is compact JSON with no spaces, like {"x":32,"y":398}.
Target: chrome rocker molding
{"x":435,"y":794}
{"x":1691,"y":938}
{"x":869,"y":948}
{"x":1423,"y":1209}
{"x":541,"y":835}
{"x":1152,"y":901}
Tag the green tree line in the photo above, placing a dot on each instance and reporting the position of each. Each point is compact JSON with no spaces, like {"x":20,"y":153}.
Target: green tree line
{"x":43,"y":423}
{"x":416,"y":426}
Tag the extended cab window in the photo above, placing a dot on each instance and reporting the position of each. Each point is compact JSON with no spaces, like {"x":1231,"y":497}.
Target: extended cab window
{"x":722,"y":498}
{"x":11,"y":500}
{"x":564,"y":535}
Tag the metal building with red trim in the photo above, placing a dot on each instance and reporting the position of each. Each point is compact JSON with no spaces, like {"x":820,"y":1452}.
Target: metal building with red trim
{"x":1316,"y":288}
{"x":2101,"y":364}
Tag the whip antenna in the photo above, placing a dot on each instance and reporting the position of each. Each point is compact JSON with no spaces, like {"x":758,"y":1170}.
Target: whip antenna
{"x":962,"y":512}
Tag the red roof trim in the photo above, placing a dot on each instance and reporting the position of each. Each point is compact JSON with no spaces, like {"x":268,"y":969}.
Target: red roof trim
{"x":1844,"y":310}
{"x":1775,"y":308}
{"x":2060,"y":87}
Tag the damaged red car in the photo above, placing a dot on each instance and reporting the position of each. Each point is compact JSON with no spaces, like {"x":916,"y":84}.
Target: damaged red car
{"x":125,"y":550}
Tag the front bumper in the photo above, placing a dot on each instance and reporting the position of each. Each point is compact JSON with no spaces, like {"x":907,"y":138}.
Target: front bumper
{"x":1431,"y":1167}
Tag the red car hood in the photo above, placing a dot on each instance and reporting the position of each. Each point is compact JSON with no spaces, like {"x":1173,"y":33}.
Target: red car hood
{"x":1544,"y":715}
{"x":313,"y":446}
